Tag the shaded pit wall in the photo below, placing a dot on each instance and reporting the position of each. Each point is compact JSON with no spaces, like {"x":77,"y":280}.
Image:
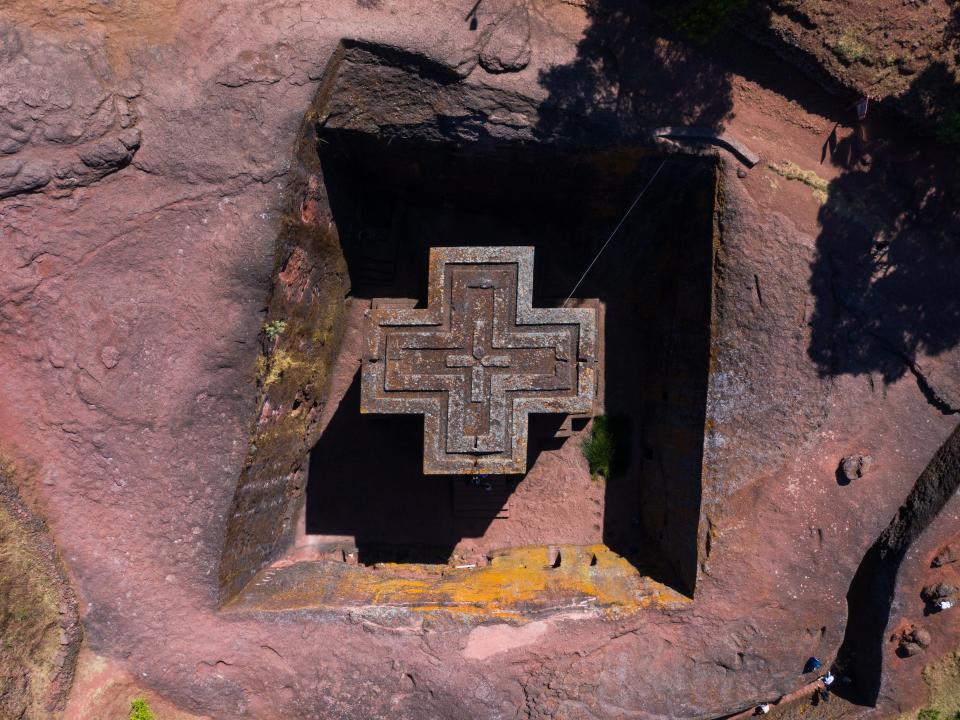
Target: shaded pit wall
{"x":675,"y":311}
{"x":394,"y":156}
{"x":395,"y":197}
{"x":305,"y":307}
{"x":298,"y":342}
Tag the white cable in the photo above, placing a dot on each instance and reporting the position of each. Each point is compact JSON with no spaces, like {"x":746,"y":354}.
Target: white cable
{"x":617,"y":228}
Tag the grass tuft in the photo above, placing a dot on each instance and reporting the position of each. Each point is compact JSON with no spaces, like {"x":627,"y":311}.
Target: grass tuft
{"x":598,"y":448}
{"x":949,"y":128}
{"x":140,"y":710}
{"x":700,"y":20}
{"x":850,"y":49}
{"x":791,"y":171}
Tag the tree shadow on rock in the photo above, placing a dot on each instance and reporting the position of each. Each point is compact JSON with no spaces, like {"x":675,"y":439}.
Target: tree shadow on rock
{"x":885,"y":272}
{"x":952,"y":31}
{"x":884,"y":280}
{"x":628,"y":76}
{"x":884,"y":277}
{"x":936,"y":93}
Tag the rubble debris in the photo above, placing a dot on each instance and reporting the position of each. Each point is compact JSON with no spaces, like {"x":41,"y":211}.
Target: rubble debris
{"x":946,"y":556}
{"x":932,"y":593}
{"x":854,"y":467}
{"x":912,"y":641}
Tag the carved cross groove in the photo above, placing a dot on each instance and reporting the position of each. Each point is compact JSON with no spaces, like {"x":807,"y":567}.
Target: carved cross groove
{"x":478,"y":360}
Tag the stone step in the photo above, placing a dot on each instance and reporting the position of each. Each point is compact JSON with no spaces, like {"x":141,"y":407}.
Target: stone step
{"x":572,"y":424}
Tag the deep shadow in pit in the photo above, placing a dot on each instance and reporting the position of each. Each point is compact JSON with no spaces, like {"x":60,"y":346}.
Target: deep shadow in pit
{"x":393,"y":199}
{"x":366,"y":482}
{"x":633,"y":71}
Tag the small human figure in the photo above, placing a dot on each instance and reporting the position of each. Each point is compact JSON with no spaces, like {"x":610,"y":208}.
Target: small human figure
{"x":860,"y":132}
{"x":823,"y":693}
{"x":944,"y":604}
{"x":813,"y":664}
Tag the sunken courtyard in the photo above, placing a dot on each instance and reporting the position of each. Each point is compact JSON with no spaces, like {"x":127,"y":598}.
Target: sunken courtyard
{"x":543,"y":359}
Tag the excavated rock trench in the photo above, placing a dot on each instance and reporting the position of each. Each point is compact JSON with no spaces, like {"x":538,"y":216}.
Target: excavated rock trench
{"x":382,"y":187}
{"x":396,"y":156}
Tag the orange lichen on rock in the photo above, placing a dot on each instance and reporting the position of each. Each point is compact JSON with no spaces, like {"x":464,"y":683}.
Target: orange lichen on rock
{"x":518,"y":583}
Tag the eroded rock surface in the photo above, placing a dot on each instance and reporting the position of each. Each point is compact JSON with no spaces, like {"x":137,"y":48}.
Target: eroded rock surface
{"x":160,"y":204}
{"x":62,"y":121}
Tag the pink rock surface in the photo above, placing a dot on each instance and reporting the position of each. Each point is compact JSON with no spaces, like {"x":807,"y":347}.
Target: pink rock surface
{"x":135,"y":272}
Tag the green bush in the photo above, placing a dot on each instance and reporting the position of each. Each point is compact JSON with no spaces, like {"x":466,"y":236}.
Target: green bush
{"x":931,"y":714}
{"x":701,"y":19}
{"x":139,"y":710}
{"x":275,"y":328}
{"x":949,"y":128}
{"x":600,"y":447}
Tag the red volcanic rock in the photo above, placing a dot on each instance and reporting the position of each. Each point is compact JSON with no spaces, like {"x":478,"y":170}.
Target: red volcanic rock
{"x":855,"y":466}
{"x":938,"y":591}
{"x":110,"y":356}
{"x":163,"y":200}
{"x":912,"y":641}
{"x":946,"y":556}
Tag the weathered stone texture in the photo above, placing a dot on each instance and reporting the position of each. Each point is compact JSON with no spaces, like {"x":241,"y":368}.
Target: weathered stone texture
{"x":478,"y":360}
{"x":131,"y":315}
{"x":63,"y":125}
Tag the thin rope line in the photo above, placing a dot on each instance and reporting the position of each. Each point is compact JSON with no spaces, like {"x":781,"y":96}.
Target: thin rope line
{"x":615,"y":230}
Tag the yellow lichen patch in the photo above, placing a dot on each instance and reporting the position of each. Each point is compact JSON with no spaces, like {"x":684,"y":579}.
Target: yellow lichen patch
{"x":791,"y":171}
{"x":274,"y":367}
{"x":520,"y":582}
{"x":322,"y":336}
{"x":943,"y":679}
{"x":126,"y":24}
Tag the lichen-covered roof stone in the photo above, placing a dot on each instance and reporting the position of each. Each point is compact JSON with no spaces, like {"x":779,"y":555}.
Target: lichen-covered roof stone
{"x":478,"y":360}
